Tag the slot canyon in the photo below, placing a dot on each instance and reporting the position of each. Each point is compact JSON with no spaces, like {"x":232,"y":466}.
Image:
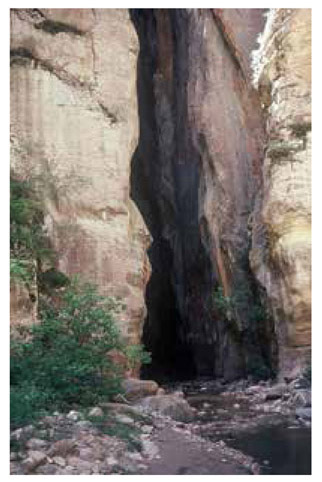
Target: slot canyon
{"x":176,"y":149}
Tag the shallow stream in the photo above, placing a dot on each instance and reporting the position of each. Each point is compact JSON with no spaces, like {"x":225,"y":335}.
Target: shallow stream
{"x":279,"y":444}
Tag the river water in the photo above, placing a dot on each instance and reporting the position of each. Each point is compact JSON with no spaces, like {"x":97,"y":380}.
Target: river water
{"x":279,"y":450}
{"x":280,"y":445}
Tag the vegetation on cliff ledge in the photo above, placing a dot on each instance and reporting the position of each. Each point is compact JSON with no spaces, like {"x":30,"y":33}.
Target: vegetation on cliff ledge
{"x":62,"y":361}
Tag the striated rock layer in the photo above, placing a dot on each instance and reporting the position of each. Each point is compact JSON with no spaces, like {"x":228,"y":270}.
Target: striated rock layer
{"x":281,"y":245}
{"x":159,"y":106}
{"x":201,"y":149}
{"x":74,"y":126}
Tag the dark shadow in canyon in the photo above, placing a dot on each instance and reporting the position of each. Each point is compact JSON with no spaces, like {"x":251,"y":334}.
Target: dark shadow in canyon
{"x":171,"y":359}
{"x":183,"y":330}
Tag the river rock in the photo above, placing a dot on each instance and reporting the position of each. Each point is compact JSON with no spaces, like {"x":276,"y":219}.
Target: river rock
{"x":124,"y":419}
{"x":277,"y":391}
{"x":175,"y":407}
{"x":136,"y":389}
{"x":96,"y":412}
{"x":149,"y":449}
{"x":59,"y":461}
{"x":36,"y":444}
{"x":302,"y":398}
{"x":304,"y":413}
{"x":61,"y":448}
{"x":74,"y":415}
{"x":35,"y":458}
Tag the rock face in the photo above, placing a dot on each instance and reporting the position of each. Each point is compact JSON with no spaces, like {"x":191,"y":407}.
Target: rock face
{"x":159,"y":107}
{"x":201,"y":119}
{"x":281,"y":246}
{"x":74,"y":125}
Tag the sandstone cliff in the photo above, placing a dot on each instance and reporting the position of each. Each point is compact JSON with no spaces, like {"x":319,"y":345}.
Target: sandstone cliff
{"x":281,"y":248}
{"x":74,"y":124}
{"x":159,"y":107}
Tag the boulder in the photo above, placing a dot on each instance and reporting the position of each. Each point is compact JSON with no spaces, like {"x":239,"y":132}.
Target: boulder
{"x":96,"y":412}
{"x":302,"y":398}
{"x":174,"y":407}
{"x":36,"y":444}
{"x":136,"y":389}
{"x":61,"y":448}
{"x":304,"y":413}
{"x":35,"y":458}
{"x":277,"y":391}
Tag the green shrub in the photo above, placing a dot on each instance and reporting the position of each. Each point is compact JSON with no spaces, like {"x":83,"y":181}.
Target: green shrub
{"x":64,"y":363}
{"x":137,"y":356}
{"x":29,"y":244}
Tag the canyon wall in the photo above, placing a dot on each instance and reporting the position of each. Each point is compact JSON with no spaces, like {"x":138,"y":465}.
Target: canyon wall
{"x":74,"y":126}
{"x":202,"y":115}
{"x":160,"y":115}
{"x":281,"y":247}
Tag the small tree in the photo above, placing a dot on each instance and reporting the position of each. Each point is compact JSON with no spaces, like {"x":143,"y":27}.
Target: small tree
{"x":65,"y":361}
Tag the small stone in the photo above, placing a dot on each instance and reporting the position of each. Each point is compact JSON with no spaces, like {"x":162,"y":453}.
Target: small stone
{"x":304,"y":413}
{"x":111,"y":460}
{"x":206,"y":405}
{"x":84,"y":467}
{"x":47,"y":469}
{"x":61,"y":447}
{"x":34,"y":459}
{"x":22,"y":433}
{"x":124,"y":419}
{"x":236,"y":405}
{"x":160,"y":391}
{"x":302,"y":398}
{"x":224,"y":460}
{"x":178,"y":393}
{"x":149,"y":448}
{"x":147,"y":429}
{"x":96,"y":412}
{"x":134,"y":456}
{"x":74,"y":415}
{"x":266,"y":462}
{"x":84,"y":424}
{"x":59,"y":461}
{"x":36,"y":443}
{"x":255,"y":469}
{"x":277,"y":391}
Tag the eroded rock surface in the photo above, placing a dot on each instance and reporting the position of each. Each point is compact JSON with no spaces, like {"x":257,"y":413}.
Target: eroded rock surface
{"x":158,"y":106}
{"x":74,"y":125}
{"x":281,"y":246}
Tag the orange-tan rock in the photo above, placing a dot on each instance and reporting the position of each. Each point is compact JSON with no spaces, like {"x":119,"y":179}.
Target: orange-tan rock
{"x":74,"y":124}
{"x":281,"y":250}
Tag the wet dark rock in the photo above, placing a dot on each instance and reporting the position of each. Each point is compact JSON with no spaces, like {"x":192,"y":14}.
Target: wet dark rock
{"x":304,"y":413}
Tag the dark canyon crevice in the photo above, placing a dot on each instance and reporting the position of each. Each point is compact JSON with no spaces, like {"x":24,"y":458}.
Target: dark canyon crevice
{"x":195,"y":178}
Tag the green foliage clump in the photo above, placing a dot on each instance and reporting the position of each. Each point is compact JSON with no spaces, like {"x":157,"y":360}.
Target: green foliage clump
{"x":225,"y":304}
{"x":65,"y":361}
{"x":29,"y":244}
{"x":228,"y":305}
{"x":136,"y":356}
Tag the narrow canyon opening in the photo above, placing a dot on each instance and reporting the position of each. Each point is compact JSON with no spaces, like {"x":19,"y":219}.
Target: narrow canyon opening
{"x":184,"y":329}
{"x":163,"y":331}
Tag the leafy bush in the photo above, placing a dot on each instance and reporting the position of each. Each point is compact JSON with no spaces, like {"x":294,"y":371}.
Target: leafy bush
{"x":136,"y":356}
{"x":64,"y":363}
{"x":29,"y":244}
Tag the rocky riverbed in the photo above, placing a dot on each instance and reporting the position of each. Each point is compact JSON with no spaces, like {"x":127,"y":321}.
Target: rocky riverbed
{"x":189,"y":428}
